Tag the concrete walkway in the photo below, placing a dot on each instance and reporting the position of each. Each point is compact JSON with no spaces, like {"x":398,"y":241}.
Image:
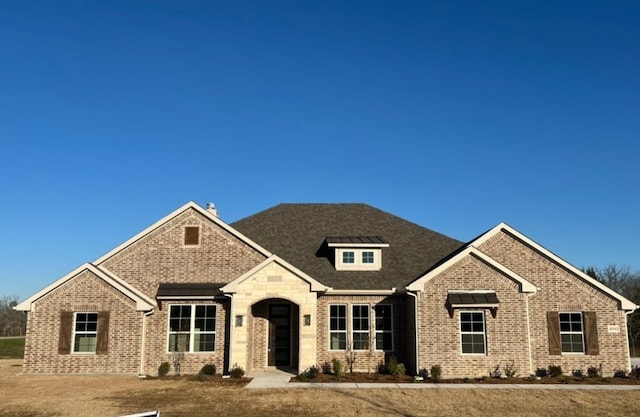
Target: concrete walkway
{"x":274,"y":378}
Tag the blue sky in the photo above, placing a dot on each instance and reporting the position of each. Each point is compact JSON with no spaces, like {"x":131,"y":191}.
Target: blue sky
{"x":456,"y":115}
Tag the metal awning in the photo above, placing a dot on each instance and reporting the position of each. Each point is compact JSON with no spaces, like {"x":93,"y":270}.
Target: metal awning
{"x":188,"y":291}
{"x":472,"y":299}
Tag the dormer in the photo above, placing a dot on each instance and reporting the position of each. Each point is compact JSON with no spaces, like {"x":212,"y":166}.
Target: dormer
{"x":357,"y":253}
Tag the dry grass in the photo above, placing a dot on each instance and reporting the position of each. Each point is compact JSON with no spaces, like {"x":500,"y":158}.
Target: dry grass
{"x":25,"y":395}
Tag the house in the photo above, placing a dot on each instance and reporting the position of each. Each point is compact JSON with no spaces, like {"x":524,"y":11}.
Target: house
{"x":299,"y":284}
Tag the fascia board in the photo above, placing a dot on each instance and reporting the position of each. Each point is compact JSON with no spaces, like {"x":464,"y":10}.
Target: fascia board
{"x":159,"y":223}
{"x":358,"y":245}
{"x":142,"y":302}
{"x":525,"y":285}
{"x":625,"y":303}
{"x":232,"y":287}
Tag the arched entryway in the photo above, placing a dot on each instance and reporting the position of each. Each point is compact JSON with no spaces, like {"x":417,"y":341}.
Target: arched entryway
{"x":274,"y":334}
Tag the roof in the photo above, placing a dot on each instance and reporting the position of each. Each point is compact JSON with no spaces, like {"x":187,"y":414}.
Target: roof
{"x":375,"y":241}
{"x":298,"y":234}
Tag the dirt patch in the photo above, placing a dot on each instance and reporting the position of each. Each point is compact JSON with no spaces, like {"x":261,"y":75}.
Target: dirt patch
{"x":58,"y":395}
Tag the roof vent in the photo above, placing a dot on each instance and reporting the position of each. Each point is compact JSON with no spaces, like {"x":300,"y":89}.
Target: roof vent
{"x":211,"y":208}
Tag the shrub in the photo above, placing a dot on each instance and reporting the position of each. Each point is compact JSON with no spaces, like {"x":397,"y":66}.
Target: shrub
{"x":555,"y":371}
{"x":309,"y":373}
{"x":541,"y":372}
{"x":593,"y":372}
{"x":326,"y":368}
{"x":236,"y":372}
{"x":163,"y":369}
{"x":635,"y":372}
{"x":338,"y":369}
{"x":424,"y":373}
{"x":392,"y":367}
{"x":436,"y":372}
{"x":400,"y":370}
{"x":496,"y":373}
{"x":510,"y":370}
{"x":208,"y":369}
{"x":577,"y":373}
{"x":619,"y":373}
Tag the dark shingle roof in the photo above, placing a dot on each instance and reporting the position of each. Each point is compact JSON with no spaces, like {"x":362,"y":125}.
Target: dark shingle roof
{"x":297,"y":233}
{"x":367,"y":240}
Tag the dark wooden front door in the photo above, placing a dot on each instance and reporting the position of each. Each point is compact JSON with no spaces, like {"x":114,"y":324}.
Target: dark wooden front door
{"x":279,"y":335}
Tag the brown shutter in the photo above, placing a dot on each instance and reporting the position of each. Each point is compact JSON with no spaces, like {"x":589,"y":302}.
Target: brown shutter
{"x":102,"y":344}
{"x":553,"y":327}
{"x":591,"y":332}
{"x":66,"y":324}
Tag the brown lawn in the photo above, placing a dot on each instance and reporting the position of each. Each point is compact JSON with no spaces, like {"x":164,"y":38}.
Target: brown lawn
{"x":51,"y":395}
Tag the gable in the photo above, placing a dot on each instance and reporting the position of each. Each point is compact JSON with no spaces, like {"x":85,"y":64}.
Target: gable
{"x":528,"y":258}
{"x":97,"y":279}
{"x":191,"y":245}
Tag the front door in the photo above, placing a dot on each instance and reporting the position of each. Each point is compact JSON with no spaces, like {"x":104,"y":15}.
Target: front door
{"x":279,"y":335}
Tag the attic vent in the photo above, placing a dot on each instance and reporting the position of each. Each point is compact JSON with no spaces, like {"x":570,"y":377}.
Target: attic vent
{"x":191,"y":235}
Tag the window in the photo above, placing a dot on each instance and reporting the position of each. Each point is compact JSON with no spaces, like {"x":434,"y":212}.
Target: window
{"x":367,"y":257}
{"x":348,"y":257}
{"x":384,"y":327}
{"x":191,"y":235}
{"x":337,"y":327}
{"x":472,"y":331}
{"x":360,"y":328}
{"x":85,"y":332}
{"x":571,"y":333}
{"x":192,"y":328}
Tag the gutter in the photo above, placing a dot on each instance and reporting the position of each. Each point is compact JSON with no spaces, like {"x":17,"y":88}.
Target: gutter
{"x":141,"y":373}
{"x":529,"y":347}
{"x":231,"y":325}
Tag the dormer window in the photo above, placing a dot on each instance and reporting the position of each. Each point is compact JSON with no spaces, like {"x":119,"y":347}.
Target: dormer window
{"x":357,"y":253}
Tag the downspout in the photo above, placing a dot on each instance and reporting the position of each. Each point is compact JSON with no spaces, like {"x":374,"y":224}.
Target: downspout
{"x":626,"y":332}
{"x":415,"y":320}
{"x":231,"y":325}
{"x":529,"y":348}
{"x":141,"y":373}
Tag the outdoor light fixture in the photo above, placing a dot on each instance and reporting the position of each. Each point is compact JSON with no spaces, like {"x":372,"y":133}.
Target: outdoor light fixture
{"x":239,"y":319}
{"x":307,"y":319}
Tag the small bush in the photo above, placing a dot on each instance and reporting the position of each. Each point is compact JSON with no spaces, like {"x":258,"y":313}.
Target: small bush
{"x":338,"y":369}
{"x":619,"y":373}
{"x":577,"y":373}
{"x":496,"y":373}
{"x":541,"y":372}
{"x":392,"y":367}
{"x":309,"y":373}
{"x":635,"y":372}
{"x":593,"y":372}
{"x":208,"y":369}
{"x":436,"y":372}
{"x":163,"y":369}
{"x":326,"y":368}
{"x":236,"y":372}
{"x":424,"y":373}
{"x":555,"y":371}
{"x":510,"y":370}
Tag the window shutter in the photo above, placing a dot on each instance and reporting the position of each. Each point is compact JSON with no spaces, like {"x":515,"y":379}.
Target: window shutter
{"x":102,"y":343}
{"x":591,"y":332}
{"x":64,"y":341}
{"x":553,"y":327}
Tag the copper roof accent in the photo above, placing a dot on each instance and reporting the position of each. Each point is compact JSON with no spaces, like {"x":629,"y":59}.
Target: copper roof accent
{"x":188,"y":290}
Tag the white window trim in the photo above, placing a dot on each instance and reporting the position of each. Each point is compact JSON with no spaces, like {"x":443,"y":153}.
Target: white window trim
{"x":584,"y":347}
{"x":383,"y":331}
{"x":368,"y":331}
{"x":345,"y":331}
{"x":484,"y":333}
{"x":357,"y":264}
{"x":74,"y":333}
{"x":192,"y":333}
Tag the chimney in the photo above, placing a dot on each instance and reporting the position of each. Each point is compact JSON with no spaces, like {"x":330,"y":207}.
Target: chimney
{"x":211,"y":208}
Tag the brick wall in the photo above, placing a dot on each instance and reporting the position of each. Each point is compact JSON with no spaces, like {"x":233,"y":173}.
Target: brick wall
{"x":365,"y":361}
{"x":83,"y":293}
{"x":561,"y":290}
